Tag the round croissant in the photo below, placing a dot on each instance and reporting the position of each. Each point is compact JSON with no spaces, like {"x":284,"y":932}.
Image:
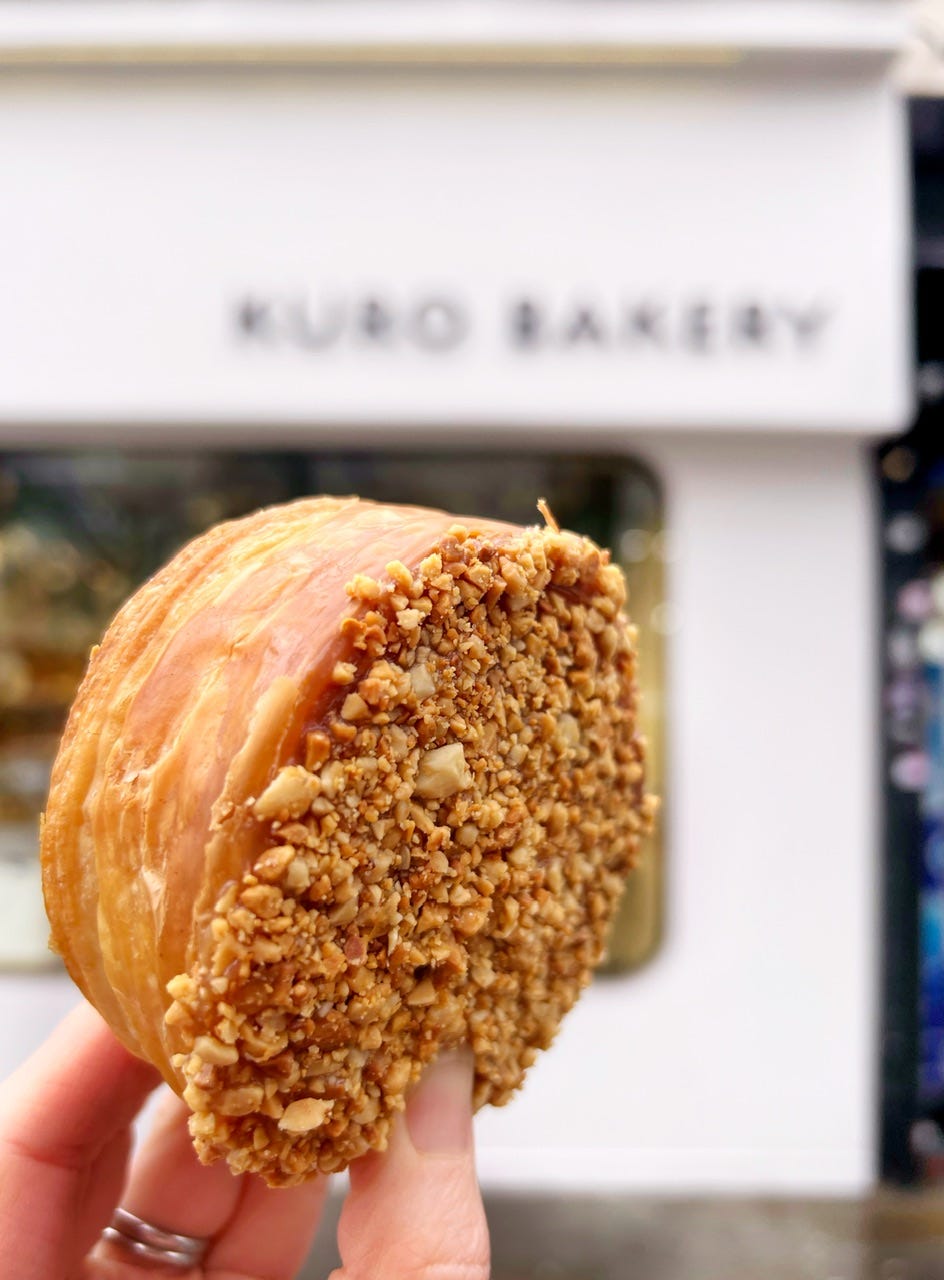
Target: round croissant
{"x":345,"y":785}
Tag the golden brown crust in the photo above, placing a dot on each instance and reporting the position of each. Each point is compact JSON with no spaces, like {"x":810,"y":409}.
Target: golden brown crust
{"x":186,"y":693}
{"x":293,"y":742}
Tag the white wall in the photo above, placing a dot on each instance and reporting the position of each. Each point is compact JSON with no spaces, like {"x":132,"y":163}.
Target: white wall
{"x":743,"y":1057}
{"x":170,"y":204}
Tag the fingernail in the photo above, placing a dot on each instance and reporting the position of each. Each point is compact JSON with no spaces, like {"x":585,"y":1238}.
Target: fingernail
{"x":439,"y":1114}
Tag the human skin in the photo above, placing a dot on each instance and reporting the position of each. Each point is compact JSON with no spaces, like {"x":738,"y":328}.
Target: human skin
{"x":65,"y":1141}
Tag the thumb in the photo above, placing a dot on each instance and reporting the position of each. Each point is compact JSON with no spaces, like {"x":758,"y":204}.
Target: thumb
{"x":415,"y":1212}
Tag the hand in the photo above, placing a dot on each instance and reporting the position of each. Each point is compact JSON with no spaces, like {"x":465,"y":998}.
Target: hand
{"x":413,"y":1213}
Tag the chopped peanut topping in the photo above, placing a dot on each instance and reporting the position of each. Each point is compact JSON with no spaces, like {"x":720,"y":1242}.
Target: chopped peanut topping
{"x":421,"y":680}
{"x":305,"y":1114}
{"x":212,"y":1051}
{"x":443,"y":771}
{"x":288,"y":795}
{"x":440,"y":868}
{"x":354,"y":707}
{"x":317,"y":749}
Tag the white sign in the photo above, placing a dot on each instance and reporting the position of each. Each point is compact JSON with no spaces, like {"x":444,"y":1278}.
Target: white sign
{"x":694,"y":249}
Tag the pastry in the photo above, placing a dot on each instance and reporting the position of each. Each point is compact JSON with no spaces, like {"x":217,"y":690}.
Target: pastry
{"x":344,"y":785}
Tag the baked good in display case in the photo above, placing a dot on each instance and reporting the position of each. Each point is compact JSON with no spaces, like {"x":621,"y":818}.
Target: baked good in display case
{"x":345,"y":785}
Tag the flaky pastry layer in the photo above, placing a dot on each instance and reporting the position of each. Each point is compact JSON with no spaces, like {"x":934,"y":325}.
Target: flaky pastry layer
{"x":346,"y":785}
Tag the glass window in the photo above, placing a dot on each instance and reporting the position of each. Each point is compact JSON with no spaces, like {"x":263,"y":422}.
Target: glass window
{"x":79,"y":531}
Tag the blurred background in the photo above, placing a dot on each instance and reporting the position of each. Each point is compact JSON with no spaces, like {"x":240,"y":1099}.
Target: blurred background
{"x":677,"y":266}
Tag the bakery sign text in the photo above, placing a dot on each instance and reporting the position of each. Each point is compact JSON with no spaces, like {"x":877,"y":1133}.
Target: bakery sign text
{"x":439,"y":323}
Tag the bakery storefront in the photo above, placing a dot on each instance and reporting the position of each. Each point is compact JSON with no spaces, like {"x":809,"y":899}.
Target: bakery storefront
{"x":646,"y":263}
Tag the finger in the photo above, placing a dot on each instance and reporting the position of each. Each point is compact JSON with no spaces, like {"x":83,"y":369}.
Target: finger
{"x":271,"y":1233}
{"x":170,"y":1188}
{"x":256,"y":1231}
{"x":64,"y":1120}
{"x":416,"y":1211}
{"x":103,"y":1183}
